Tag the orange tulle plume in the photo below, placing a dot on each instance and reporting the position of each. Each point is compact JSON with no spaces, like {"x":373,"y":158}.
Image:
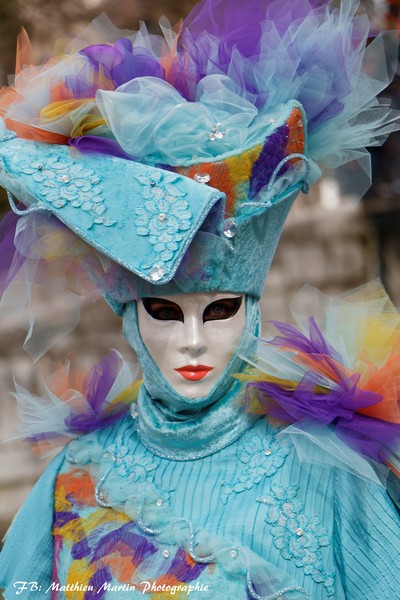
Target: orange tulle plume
{"x":24,"y":55}
{"x":60,"y":92}
{"x":9,"y":96}
{"x":27,"y":132}
{"x":384,"y":381}
{"x":324,"y":365}
{"x":169,"y":58}
{"x":45,"y":448}
{"x":64,"y":379}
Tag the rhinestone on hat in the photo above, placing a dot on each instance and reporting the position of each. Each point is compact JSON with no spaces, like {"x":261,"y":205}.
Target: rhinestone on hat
{"x":165,"y":553}
{"x":156,"y":272}
{"x":202,"y":177}
{"x":230,"y":229}
{"x":162,"y":217}
{"x":217,"y":133}
{"x":159,"y":501}
{"x":299,"y":531}
{"x":233,"y":553}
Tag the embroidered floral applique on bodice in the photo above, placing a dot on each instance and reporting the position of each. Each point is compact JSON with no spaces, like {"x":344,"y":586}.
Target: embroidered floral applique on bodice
{"x":260,"y":457}
{"x":298,"y":536}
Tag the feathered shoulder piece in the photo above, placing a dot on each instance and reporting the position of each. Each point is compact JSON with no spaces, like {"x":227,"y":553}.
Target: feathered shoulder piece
{"x":334,"y":380}
{"x":77,"y":402}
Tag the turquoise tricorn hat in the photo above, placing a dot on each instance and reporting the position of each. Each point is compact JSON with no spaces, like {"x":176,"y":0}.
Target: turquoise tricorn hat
{"x":202,"y":227}
{"x":202,"y":139}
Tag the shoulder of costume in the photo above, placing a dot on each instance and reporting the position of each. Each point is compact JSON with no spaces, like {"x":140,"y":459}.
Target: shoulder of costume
{"x":333,"y":379}
{"x":77,"y":403}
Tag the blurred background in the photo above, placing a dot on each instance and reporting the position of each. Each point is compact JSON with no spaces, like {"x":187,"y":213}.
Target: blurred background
{"x":328,"y":242}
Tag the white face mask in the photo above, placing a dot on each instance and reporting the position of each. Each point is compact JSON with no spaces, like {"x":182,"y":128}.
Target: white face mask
{"x":192,"y":337}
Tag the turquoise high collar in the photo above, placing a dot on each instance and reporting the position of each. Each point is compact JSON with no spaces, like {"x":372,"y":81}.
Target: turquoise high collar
{"x":177,"y":437}
{"x":180,"y":428}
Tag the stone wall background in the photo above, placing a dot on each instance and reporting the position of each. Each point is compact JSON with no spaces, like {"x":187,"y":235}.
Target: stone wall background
{"x":332,"y":247}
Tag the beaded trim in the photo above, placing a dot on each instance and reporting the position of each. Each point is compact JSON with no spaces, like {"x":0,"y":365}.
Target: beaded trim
{"x":186,"y":529}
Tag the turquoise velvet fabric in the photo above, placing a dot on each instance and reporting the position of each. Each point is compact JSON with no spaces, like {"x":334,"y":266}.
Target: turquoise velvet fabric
{"x":93,"y":196}
{"x":254,"y":494}
{"x":165,"y":230}
{"x":219,"y":484}
{"x":211,"y":264}
{"x":27,"y":555}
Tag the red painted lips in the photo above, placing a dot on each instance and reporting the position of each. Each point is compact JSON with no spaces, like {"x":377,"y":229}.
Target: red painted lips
{"x":194,"y":373}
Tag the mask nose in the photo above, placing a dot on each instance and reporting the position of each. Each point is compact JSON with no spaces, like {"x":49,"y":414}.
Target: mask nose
{"x":193,"y":340}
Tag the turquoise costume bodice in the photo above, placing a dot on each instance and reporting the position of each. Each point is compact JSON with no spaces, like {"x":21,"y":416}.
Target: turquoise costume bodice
{"x":254,"y":516}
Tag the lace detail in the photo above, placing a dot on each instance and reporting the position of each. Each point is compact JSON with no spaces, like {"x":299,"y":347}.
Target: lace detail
{"x":297,"y":536}
{"x":128,"y":467}
{"x":71,"y":184}
{"x":164,"y":215}
{"x":260,"y":458}
{"x":150,"y":510}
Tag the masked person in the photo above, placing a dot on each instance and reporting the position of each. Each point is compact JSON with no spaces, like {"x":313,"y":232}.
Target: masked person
{"x":238,"y":468}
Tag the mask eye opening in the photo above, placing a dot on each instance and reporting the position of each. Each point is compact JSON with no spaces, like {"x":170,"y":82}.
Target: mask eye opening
{"x":222,"y":309}
{"x":163,"y":310}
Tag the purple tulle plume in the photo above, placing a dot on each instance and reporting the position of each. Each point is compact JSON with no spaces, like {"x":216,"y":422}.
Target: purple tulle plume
{"x":91,"y":144}
{"x":11,"y":260}
{"x":307,"y":401}
{"x":96,"y":386}
{"x":370,"y":437}
{"x":216,"y":39}
{"x":121,"y":62}
{"x":224,"y":21}
{"x":81,"y":85}
{"x":327,"y":394}
{"x":295,"y":341}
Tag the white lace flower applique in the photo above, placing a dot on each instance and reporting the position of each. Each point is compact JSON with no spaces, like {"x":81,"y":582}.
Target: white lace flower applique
{"x":260,"y":458}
